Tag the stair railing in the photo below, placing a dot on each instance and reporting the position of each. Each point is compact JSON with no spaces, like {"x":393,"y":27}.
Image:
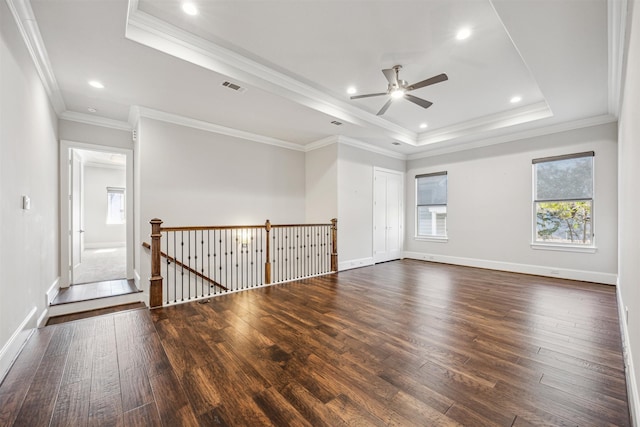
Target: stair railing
{"x":204,"y":261}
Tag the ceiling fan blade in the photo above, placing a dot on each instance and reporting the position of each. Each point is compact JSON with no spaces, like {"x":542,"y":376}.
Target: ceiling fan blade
{"x":391,"y":75}
{"x":368,"y":95}
{"x":419,"y":101}
{"x":385,"y":107}
{"x":430,"y":81}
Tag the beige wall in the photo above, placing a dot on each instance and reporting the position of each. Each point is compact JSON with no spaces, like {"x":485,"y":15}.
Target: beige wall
{"x":29,"y":239}
{"x":490,"y":212}
{"x":193,"y":177}
{"x":629,"y":202}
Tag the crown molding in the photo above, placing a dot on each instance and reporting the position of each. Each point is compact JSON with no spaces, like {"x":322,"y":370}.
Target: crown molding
{"x":321,"y":143}
{"x":617,"y":22}
{"x":368,"y":147}
{"x":28,"y":27}
{"x":504,"y":119}
{"x":345,"y":140}
{"x":150,"y":31}
{"x":516,"y":136}
{"x":90,"y":119}
{"x":210,"y":127}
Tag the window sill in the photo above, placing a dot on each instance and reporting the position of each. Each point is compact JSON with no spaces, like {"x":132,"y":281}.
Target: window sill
{"x":431,"y":239}
{"x":564,"y":248}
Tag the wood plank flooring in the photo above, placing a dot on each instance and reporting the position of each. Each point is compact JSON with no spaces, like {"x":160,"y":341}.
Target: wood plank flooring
{"x":401,"y":343}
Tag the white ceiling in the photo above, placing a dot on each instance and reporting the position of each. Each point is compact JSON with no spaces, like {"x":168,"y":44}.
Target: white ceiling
{"x":296,"y":59}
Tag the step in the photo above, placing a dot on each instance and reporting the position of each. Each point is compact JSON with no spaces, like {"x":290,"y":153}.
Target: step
{"x":116,"y":309}
{"x":94,"y":304}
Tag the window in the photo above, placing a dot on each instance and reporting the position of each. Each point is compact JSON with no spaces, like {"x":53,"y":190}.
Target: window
{"x":563,"y":199}
{"x":115,"y":205}
{"x":431,"y":201}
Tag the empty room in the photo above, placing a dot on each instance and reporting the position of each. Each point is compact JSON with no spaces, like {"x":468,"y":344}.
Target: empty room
{"x":323,"y":213}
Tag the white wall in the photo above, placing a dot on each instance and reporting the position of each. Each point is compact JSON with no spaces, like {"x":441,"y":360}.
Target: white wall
{"x":629,"y":205}
{"x":355,"y":202}
{"x":90,"y":134}
{"x":489,"y":217}
{"x":97,"y":233}
{"x":193,"y":177}
{"x":321,"y":183}
{"x":29,"y":239}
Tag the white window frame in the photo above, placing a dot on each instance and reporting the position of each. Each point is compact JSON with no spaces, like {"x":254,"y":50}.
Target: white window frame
{"x":562,"y":246}
{"x":431,"y":237}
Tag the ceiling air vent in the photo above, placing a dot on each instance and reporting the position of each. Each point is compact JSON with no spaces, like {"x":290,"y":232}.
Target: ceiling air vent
{"x":234,"y":87}
{"x":335,"y":122}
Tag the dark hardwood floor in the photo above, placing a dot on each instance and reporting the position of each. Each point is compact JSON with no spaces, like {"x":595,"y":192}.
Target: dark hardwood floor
{"x":401,"y":343}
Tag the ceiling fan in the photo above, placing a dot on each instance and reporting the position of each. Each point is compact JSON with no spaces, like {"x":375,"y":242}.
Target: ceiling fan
{"x":398,"y":88}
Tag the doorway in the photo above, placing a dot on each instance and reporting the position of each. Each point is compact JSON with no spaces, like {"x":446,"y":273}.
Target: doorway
{"x":387,"y":215}
{"x":96,"y":209}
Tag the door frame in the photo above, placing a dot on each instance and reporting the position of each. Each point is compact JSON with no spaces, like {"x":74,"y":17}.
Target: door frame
{"x":65,"y":211}
{"x":401,"y":175}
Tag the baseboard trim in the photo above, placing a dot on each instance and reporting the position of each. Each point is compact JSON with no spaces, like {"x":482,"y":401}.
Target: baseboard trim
{"x":14,"y":345}
{"x":538,"y":270}
{"x":136,"y":279}
{"x":53,"y":290}
{"x":355,"y":263}
{"x":42,"y":320}
{"x":632,"y":385}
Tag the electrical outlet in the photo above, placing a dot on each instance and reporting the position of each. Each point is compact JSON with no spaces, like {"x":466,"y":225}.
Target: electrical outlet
{"x":555,"y":272}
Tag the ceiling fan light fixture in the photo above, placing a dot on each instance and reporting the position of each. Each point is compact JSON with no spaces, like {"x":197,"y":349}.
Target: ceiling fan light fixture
{"x":397,"y":93}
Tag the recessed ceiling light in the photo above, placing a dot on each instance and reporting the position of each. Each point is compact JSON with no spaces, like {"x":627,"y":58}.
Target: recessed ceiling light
{"x":189,"y":9}
{"x":515,"y":99}
{"x":463,"y":33}
{"x":351,"y":90}
{"x":91,"y":109}
{"x":423,"y":125}
{"x":96,"y":84}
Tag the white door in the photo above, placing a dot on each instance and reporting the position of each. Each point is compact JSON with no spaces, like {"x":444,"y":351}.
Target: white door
{"x":387,"y":215}
{"x":75,"y":199}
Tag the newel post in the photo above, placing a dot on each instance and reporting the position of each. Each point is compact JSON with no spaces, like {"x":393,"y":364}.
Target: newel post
{"x":267,"y":265}
{"x":155,"y":281}
{"x":334,"y":244}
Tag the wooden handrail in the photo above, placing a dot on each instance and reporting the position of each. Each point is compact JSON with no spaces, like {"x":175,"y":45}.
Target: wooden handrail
{"x":210,"y":227}
{"x":234,"y":227}
{"x":189,"y":269}
{"x":156,"y":279}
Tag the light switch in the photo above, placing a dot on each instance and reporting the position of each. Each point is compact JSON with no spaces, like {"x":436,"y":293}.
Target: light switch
{"x":26,"y":203}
